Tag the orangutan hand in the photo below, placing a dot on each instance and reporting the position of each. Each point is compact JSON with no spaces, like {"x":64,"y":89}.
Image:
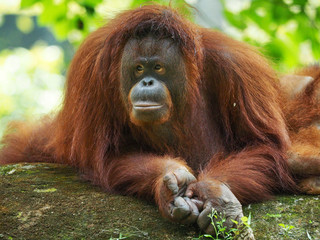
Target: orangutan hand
{"x":217,"y":198}
{"x":172,"y":201}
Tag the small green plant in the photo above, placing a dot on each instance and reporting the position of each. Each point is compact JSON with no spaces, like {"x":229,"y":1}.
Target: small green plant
{"x":268,"y":215}
{"x":218,"y":221}
{"x":118,"y":238}
{"x":285,"y":229}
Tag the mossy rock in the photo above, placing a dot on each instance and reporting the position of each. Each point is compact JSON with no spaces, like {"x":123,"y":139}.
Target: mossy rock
{"x":50,"y":201}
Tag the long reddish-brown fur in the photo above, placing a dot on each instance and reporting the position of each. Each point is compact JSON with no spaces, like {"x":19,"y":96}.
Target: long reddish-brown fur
{"x":233,"y":129}
{"x":302,"y":112}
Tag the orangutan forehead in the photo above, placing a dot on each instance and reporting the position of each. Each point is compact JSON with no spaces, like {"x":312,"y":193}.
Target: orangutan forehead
{"x":151,"y":46}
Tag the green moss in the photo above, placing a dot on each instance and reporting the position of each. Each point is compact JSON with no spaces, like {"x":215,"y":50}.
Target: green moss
{"x":300,"y":211}
{"x":78,"y":210}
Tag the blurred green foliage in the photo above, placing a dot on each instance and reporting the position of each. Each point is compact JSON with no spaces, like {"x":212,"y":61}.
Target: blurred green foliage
{"x":287,"y":30}
{"x":74,"y":20}
{"x":31,"y":80}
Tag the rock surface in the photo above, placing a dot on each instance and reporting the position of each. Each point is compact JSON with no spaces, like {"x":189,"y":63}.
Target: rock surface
{"x":50,"y":201}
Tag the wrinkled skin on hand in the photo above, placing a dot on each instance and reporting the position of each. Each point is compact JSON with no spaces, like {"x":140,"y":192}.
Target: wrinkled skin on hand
{"x":215,"y":195}
{"x":187,"y":201}
{"x":173,"y":203}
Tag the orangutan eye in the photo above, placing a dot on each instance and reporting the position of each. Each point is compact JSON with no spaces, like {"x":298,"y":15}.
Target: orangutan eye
{"x":139,"y":68}
{"x":159,"y":69}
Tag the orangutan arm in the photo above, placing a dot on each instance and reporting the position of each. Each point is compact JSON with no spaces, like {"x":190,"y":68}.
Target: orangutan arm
{"x":162,"y":178}
{"x":227,"y":182}
{"x":253,"y":174}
